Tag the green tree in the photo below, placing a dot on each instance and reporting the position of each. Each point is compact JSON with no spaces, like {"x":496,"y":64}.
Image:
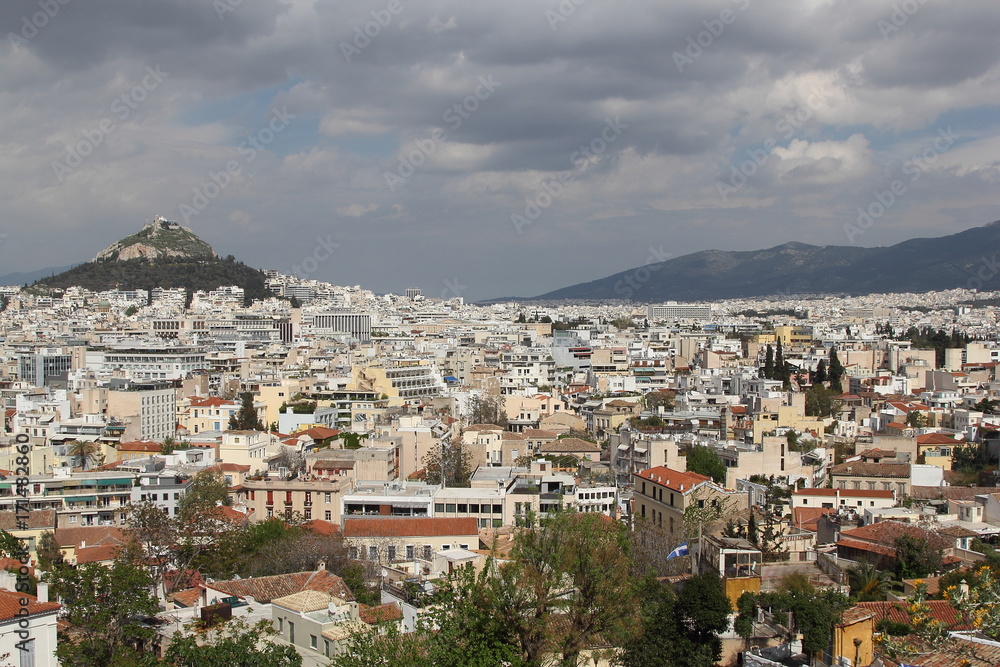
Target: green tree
{"x":746,"y":606}
{"x":83,"y":452}
{"x":769,"y":363}
{"x":233,"y":644}
{"x":679,"y":629}
{"x":820,"y":376}
{"x":488,"y":409}
{"x":916,"y":419}
{"x":106,"y":609}
{"x":835,"y":371}
{"x":449,"y":462}
{"x":820,"y":401}
{"x":130,"y":311}
{"x":868,"y":583}
{"x":48,"y":552}
{"x":246,"y":418}
{"x":915,"y":558}
{"x":706,"y":461}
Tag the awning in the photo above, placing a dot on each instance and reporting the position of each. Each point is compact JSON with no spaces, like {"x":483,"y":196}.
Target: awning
{"x":114,"y":482}
{"x":82,"y":499}
{"x":450,"y":378}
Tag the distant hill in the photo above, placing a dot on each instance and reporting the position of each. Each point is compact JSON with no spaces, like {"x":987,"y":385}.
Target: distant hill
{"x":964,"y":260}
{"x":28,"y":277}
{"x":161,"y":254}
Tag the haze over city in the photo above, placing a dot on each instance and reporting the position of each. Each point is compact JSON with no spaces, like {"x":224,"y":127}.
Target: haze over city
{"x":416,"y":137}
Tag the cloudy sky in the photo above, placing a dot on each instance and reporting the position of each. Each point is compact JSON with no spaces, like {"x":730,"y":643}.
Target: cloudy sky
{"x":489,"y":149}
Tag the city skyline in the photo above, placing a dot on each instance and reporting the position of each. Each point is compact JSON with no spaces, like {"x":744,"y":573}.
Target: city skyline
{"x":388,"y":144}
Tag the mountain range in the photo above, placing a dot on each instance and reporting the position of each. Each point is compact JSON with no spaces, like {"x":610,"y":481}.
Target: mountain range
{"x":968,"y":259}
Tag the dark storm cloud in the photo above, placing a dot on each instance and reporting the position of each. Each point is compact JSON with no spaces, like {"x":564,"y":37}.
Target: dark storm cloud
{"x":700,"y":86}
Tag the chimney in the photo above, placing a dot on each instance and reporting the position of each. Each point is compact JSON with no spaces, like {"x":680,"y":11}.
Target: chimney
{"x":42,"y":592}
{"x":320,"y":566}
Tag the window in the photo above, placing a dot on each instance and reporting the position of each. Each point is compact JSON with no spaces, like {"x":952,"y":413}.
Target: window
{"x":308,"y":513}
{"x":327,"y":515}
{"x":450,"y":507}
{"x":463,"y":546}
{"x":409,"y":552}
{"x":312,"y":642}
{"x":391,"y":553}
{"x":439,"y":507}
{"x":281,"y":624}
{"x":326,"y":647}
{"x":463,"y":508}
{"x":352,"y":553}
{"x":427,"y":552}
{"x":291,"y":632}
{"x":373,"y":553}
{"x":474,"y":509}
{"x":498,"y":509}
{"x":327,"y":497}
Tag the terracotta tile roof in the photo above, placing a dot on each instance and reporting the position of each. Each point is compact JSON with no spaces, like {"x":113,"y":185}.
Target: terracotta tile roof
{"x":307,"y":601}
{"x":859,"y":469}
{"x":228,"y":467}
{"x":410,"y":527}
{"x":13,"y":565}
{"x":876,"y":453}
{"x":318,"y":433}
{"x":951,"y":492}
{"x":140,"y":446}
{"x":187,"y":597}
{"x":569,"y":446}
{"x":939,"y":439}
{"x":957,"y":531}
{"x":674,"y":479}
{"x":808,"y":517}
{"x":940,"y":610}
{"x":952,"y":653}
{"x":92,"y":536}
{"x":10,"y":605}
{"x":866,"y":546}
{"x":539,"y":433}
{"x":211,"y":402}
{"x":189,"y":579}
{"x":391,"y":611}
{"x":321,"y":527}
{"x":886,"y":533}
{"x":483,"y":427}
{"x":99,"y":554}
{"x":37,"y":519}
{"x":854,"y":615}
{"x":266,"y":589}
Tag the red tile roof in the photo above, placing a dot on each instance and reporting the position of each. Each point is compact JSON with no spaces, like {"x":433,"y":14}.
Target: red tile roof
{"x":939,"y":439}
{"x":265,"y":589}
{"x":102,"y":553}
{"x":808,"y":517}
{"x":674,"y":479}
{"x":321,"y":527}
{"x":940,"y":610}
{"x":140,"y":446}
{"x":887,"y":532}
{"x":411,"y":527}
{"x":380,"y":614}
{"x":10,"y":605}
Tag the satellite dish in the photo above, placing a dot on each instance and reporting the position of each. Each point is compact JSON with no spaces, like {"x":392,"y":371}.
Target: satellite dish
{"x":385,"y":572}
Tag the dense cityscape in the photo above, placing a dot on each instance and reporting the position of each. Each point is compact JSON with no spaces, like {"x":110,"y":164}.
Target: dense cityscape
{"x":381,"y":333}
{"x":330,"y":476}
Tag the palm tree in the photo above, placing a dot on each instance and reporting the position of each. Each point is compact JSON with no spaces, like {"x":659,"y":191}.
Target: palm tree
{"x":868,"y":583}
{"x":84,"y":450}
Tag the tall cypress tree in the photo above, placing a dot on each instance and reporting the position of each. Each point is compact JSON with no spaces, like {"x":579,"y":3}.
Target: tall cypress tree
{"x":769,"y":363}
{"x":836,"y":371}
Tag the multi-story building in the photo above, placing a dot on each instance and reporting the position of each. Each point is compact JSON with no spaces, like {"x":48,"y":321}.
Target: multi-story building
{"x":148,"y":361}
{"x":147,"y":409}
{"x":661,"y":496}
{"x":315,"y":499}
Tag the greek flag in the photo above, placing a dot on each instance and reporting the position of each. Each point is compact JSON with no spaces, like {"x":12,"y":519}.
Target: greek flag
{"x":681,"y":550}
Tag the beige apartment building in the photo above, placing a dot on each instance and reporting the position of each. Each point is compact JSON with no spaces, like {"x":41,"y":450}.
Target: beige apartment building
{"x":661,"y":496}
{"x":318,"y":499}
